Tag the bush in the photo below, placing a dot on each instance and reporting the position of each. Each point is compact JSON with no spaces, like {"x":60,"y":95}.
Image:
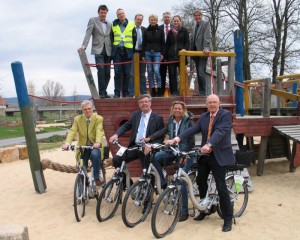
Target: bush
{"x":52,"y":139}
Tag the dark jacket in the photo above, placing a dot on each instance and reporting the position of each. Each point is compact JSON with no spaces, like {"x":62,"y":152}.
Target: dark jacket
{"x":134,"y":36}
{"x":187,"y":121}
{"x":153,"y":39}
{"x":155,"y":123}
{"x":220,"y":135}
{"x":176,"y":44}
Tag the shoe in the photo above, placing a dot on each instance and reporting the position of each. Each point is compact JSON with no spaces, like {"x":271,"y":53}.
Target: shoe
{"x":183,"y":217}
{"x":108,"y":162}
{"x":116,"y":96}
{"x":164,"y":186}
{"x":200,"y":217}
{"x":107,"y":96}
{"x":102,"y":96}
{"x":227,"y":226}
{"x":98,"y":182}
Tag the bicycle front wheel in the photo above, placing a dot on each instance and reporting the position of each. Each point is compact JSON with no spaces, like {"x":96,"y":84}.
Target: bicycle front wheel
{"x":137,"y":203}
{"x":79,"y":198}
{"x":109,"y":200}
{"x":166,"y":212}
{"x":238,"y":196}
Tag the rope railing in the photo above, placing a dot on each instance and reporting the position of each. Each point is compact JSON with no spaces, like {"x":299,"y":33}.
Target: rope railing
{"x":57,"y":101}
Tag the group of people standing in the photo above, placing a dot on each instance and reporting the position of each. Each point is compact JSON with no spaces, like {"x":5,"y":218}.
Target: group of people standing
{"x":157,"y":46}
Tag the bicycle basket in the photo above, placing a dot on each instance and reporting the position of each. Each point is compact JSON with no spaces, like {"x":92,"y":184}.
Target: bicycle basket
{"x":244,"y":157}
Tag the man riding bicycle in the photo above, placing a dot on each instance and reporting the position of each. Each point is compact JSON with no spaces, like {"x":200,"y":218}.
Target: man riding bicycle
{"x":89,"y":127}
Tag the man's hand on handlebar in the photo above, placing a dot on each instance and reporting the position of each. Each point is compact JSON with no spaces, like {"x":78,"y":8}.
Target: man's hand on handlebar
{"x":113,"y":138}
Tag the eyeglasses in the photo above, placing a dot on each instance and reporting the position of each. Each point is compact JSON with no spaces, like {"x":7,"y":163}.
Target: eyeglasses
{"x":142,"y":102}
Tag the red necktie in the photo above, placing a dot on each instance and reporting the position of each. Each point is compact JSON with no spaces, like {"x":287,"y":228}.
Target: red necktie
{"x":210,"y":127}
{"x":167,"y":29}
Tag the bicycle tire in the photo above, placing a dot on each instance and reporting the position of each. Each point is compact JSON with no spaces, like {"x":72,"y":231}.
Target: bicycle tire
{"x":109,"y":200}
{"x":79,"y":198}
{"x":166,"y":212}
{"x":137,"y":203}
{"x":239,"y":200}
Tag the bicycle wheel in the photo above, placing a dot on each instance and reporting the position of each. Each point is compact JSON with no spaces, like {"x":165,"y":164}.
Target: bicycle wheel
{"x":192,"y":176}
{"x":137,"y":203}
{"x":239,"y":197}
{"x":109,"y":200}
{"x":166,"y":212}
{"x":79,"y":198}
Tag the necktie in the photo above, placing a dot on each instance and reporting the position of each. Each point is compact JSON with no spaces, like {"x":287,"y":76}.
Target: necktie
{"x":141,"y":129}
{"x":167,"y":30}
{"x":88,"y":142}
{"x":139,"y":38}
{"x":195,"y":34}
{"x":210,"y":127}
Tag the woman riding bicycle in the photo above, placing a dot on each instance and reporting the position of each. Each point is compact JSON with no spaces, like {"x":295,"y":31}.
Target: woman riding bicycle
{"x":178,"y":121}
{"x":89,"y":127}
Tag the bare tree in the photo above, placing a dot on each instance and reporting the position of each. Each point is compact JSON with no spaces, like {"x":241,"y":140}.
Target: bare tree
{"x":53,"y":90}
{"x":31,"y":88}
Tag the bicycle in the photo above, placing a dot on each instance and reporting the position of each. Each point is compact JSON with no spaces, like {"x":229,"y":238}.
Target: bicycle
{"x":167,"y":209}
{"x":85,"y":187}
{"x":139,"y":197}
{"x":112,"y":193}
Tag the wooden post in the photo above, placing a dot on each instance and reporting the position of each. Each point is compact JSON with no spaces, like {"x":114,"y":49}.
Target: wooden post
{"x":219,"y":82}
{"x":88,"y":74}
{"x":264,"y":140}
{"x":136,"y":68}
{"x":278,"y":99}
{"x":230,"y":84}
{"x":182,"y":69}
{"x":31,"y":141}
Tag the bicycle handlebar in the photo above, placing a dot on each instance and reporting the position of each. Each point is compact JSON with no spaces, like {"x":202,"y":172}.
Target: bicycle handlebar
{"x":73,"y":147}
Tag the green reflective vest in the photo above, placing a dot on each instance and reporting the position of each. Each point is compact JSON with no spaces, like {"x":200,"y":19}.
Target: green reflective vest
{"x":126,"y":36}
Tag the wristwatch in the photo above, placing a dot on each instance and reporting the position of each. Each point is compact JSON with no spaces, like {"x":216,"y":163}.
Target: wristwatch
{"x":209,"y":144}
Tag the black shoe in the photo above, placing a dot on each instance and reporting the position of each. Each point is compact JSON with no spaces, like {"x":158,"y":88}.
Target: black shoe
{"x":116,"y":96}
{"x":183,"y":217}
{"x":107,"y":96}
{"x":164,"y":186}
{"x":200,"y":217}
{"x":102,"y":96}
{"x":227,"y":226}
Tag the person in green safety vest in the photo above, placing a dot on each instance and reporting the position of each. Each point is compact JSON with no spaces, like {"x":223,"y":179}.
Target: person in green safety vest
{"x":122,"y":51}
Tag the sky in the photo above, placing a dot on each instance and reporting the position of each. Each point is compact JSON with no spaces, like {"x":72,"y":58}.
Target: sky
{"x":44,"y":36}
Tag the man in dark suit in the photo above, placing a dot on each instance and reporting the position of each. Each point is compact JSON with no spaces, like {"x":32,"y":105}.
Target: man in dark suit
{"x":100,"y":30}
{"x":143,"y":123}
{"x":137,"y":39}
{"x":215,"y":126}
{"x":200,"y":41}
{"x":164,"y":67}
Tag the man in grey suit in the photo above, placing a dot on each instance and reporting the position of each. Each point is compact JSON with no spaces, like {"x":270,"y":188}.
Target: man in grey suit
{"x":200,"y":41}
{"x":215,"y":126}
{"x":100,"y":29}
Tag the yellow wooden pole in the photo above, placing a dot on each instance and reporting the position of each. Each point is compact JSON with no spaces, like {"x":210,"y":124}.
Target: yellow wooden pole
{"x":136,"y":68}
{"x":182,"y":70}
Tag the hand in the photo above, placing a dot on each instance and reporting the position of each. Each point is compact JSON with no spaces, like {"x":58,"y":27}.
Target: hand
{"x":97,"y":145}
{"x":206,"y":52}
{"x":169,"y":142}
{"x":65,"y":146}
{"x":161,"y":57}
{"x":147,"y":149}
{"x":147,"y":139}
{"x":113,"y":138}
{"x":205,"y":149}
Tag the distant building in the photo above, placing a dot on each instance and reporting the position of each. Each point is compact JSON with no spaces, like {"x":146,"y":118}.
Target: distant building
{"x":3,"y":106}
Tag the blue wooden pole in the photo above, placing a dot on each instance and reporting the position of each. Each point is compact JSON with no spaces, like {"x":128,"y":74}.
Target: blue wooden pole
{"x":239,"y":77}
{"x":239,"y":73}
{"x":28,"y":126}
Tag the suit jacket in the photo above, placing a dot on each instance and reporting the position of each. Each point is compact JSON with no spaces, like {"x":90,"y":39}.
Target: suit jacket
{"x":134,"y":35}
{"x":100,"y":38}
{"x":202,"y":36}
{"x":163,"y":28}
{"x":220,"y":136}
{"x":95,"y":132}
{"x":155,"y":123}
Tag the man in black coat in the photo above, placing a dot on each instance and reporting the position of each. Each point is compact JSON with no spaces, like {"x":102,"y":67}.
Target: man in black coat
{"x":137,"y":39}
{"x":143,"y":124}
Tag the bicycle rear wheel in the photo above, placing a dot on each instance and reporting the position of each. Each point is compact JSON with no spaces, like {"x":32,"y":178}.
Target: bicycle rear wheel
{"x":109,"y":200}
{"x":166,"y":212}
{"x":79,"y":198}
{"x":239,"y":197}
{"x":137,"y":203}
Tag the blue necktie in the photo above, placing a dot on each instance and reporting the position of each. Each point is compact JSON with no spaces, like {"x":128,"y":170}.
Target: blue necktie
{"x":141,"y":129}
{"x":139,"y":38}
